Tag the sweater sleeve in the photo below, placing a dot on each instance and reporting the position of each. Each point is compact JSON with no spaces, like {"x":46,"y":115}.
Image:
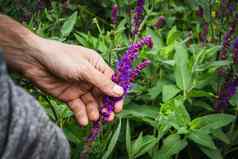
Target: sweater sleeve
{"x":26,"y":131}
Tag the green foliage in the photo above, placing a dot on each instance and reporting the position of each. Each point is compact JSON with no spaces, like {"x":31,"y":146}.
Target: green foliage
{"x":170,"y":108}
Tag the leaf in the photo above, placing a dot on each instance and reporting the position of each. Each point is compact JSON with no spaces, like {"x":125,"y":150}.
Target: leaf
{"x":212,"y":121}
{"x":173,"y":35}
{"x":157,"y":89}
{"x":212,"y":154}
{"x":182,"y":73}
{"x":121,"y":26}
{"x":202,"y":138}
{"x":140,"y":111}
{"x":174,"y":113}
{"x":128,"y":138}
{"x":137,"y":144}
{"x":68,"y":25}
{"x":234,"y":100}
{"x":219,"y":134}
{"x":182,"y":111}
{"x":172,"y":145}
{"x":149,"y":142}
{"x":169,"y":91}
{"x":200,"y":93}
{"x":113,"y":141}
{"x":212,"y":65}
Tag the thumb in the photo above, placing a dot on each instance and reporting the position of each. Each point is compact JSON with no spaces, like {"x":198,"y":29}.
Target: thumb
{"x":102,"y":82}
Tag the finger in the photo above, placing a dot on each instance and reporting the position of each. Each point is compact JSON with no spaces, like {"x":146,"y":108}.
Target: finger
{"x":78,"y":107}
{"x":118,"y":106}
{"x":102,"y":82}
{"x":110,"y":117}
{"x":98,"y":95}
{"x":107,"y":70}
{"x":91,"y":106}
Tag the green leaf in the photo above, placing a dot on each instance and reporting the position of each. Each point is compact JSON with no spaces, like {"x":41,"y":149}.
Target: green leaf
{"x":182,"y":73}
{"x":157,"y":89}
{"x":212,"y":121}
{"x":182,"y":112}
{"x":173,"y":35}
{"x":113,"y":141}
{"x":211,"y":153}
{"x":174,"y":113}
{"x":128,"y":138}
{"x":172,"y":145}
{"x":137,"y":144}
{"x":169,"y":91}
{"x":140,"y":111}
{"x":213,"y":65}
{"x":200,"y":93}
{"x":68,"y":25}
{"x":234,"y":100}
{"x":219,"y":134}
{"x":149,"y":142}
{"x":202,"y":138}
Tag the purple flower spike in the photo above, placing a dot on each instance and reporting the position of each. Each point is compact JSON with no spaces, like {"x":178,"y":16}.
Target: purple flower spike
{"x":228,"y":90}
{"x":137,"y":16}
{"x":124,"y":75}
{"x":138,"y":69}
{"x":114,"y":13}
{"x":160,"y":23}
{"x":200,"y":12}
{"x":227,"y":40}
{"x":235,"y":51}
{"x":204,"y":33}
{"x":95,"y":130}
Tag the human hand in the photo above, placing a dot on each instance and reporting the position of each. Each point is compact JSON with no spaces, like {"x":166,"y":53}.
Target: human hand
{"x":74,"y":74}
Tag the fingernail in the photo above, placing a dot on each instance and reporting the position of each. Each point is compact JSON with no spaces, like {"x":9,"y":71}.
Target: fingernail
{"x":117,"y":90}
{"x":84,"y":122}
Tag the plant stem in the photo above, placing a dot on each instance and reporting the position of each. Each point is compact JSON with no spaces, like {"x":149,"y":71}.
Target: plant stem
{"x":52,"y":108}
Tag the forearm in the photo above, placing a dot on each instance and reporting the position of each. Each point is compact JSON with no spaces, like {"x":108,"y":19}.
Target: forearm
{"x":17,"y":42}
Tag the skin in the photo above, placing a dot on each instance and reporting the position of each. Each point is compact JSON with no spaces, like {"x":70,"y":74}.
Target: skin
{"x":74,"y":74}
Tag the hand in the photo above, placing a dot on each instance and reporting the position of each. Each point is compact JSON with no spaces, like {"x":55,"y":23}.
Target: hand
{"x":74,"y":74}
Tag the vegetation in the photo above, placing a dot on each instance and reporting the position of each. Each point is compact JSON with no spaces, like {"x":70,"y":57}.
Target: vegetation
{"x":183,"y":105}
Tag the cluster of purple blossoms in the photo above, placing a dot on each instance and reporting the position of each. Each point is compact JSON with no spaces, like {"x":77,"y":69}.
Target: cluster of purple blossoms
{"x":235,"y":51}
{"x":226,"y":41}
{"x":40,"y":5}
{"x":200,"y":12}
{"x":204,"y":33}
{"x":124,"y":75}
{"x":114,"y":13}
{"x":137,"y":19}
{"x":160,"y":23}
{"x":227,"y":8}
{"x":228,"y":90}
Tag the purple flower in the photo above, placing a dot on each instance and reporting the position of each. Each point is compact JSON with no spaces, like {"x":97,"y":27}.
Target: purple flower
{"x":200,"y":12}
{"x":95,"y":130}
{"x":226,"y":41}
{"x":138,"y":69}
{"x":231,"y":8}
{"x":40,"y":5}
{"x":114,"y":13}
{"x":138,"y":16}
{"x":235,"y":51}
{"x":161,"y":21}
{"x":124,"y":75}
{"x":228,"y":90}
{"x":204,"y":33}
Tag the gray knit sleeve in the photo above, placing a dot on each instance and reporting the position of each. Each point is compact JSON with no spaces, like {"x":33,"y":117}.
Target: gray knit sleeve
{"x":25,"y":130}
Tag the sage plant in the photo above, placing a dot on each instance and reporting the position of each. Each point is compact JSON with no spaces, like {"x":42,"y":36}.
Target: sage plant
{"x":137,"y":19}
{"x":114,"y":14}
{"x":124,"y":75}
